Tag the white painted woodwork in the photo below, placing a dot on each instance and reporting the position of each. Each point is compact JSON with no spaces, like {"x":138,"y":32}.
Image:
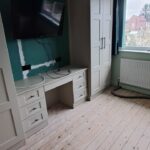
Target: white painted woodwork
{"x":80,"y":76}
{"x":70,"y":90}
{"x":34,"y":120}
{"x":11,"y":132}
{"x":79,"y":84}
{"x":77,"y":78}
{"x":90,"y":40}
{"x":80,"y":94}
{"x":30,"y":97}
{"x":33,"y":110}
{"x":101,"y":37}
{"x":77,"y":91}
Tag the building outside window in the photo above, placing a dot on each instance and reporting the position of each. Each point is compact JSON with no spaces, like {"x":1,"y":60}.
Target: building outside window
{"x":137,"y":24}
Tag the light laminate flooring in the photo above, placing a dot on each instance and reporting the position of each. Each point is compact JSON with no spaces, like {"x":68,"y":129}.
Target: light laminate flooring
{"x":105,"y":123}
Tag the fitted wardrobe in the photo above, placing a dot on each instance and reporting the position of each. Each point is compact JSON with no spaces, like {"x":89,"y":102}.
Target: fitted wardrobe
{"x":90,"y":35}
{"x":11,"y":131}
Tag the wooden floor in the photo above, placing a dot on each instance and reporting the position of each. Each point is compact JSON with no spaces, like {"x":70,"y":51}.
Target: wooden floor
{"x":106,"y":123}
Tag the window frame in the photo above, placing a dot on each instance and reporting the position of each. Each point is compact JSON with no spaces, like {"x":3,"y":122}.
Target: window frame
{"x":128,"y":48}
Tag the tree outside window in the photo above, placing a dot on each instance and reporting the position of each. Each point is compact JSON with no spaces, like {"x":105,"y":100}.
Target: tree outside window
{"x":137,"y":24}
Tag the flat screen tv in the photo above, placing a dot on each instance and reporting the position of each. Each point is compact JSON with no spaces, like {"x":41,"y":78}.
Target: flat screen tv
{"x":37,"y":18}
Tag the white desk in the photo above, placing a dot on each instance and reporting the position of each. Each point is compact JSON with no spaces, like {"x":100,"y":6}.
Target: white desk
{"x":31,"y":98}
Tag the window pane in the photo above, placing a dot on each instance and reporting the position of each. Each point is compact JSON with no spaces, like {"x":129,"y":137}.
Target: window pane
{"x":137,"y":24}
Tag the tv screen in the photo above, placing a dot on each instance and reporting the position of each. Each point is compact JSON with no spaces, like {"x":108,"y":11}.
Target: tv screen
{"x":37,"y":18}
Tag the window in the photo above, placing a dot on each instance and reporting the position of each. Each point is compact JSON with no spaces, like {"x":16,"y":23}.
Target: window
{"x":137,"y":24}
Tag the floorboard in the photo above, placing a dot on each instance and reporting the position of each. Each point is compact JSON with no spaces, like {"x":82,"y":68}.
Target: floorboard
{"x":105,"y":123}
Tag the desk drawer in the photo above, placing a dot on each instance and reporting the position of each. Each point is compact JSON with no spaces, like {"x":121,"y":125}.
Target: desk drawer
{"x":80,"y":94}
{"x":32,"y":109}
{"x":34,"y":121}
{"x":79,"y":84}
{"x":79,"y":76}
{"x":30,"y":97}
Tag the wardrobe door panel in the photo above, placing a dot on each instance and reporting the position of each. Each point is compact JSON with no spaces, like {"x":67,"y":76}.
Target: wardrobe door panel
{"x":95,"y":81}
{"x":11,"y":131}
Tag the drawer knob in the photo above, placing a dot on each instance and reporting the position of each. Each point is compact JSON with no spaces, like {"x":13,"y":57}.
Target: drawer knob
{"x":36,"y":120}
{"x":33,"y":109}
{"x":31,"y":97}
{"x":80,"y":77}
{"x":80,"y":86}
{"x":81,"y":95}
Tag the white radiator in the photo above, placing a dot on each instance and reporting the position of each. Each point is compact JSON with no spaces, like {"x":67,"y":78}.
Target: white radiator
{"x":135,"y":73}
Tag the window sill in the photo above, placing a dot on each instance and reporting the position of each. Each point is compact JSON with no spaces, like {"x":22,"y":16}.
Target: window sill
{"x":134,"y":51}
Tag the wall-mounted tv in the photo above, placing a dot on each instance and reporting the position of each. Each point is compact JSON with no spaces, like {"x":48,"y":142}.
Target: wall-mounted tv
{"x":37,"y":18}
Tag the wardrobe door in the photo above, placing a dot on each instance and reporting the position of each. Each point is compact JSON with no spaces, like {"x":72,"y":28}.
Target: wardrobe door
{"x":101,"y":39}
{"x":11,"y":131}
{"x":107,"y":31}
{"x":105,"y":60}
{"x":96,"y":44}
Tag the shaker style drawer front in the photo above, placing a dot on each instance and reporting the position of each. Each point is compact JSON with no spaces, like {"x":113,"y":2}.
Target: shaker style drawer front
{"x":80,"y":94}
{"x":30,"y":97}
{"x":31,"y":110}
{"x":79,"y":84}
{"x":33,"y":121}
{"x":79,"y":76}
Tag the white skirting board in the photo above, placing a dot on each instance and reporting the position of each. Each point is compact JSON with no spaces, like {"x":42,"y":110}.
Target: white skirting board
{"x":135,"y":73}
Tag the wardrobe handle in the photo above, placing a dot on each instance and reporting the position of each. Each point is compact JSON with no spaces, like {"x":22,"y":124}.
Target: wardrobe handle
{"x":104,"y":42}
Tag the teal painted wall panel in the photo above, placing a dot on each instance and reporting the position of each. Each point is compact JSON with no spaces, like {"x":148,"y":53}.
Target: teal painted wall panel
{"x":34,"y":51}
{"x":15,"y":59}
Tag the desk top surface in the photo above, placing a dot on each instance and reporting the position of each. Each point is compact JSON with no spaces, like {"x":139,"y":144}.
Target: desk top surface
{"x":44,"y":79}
